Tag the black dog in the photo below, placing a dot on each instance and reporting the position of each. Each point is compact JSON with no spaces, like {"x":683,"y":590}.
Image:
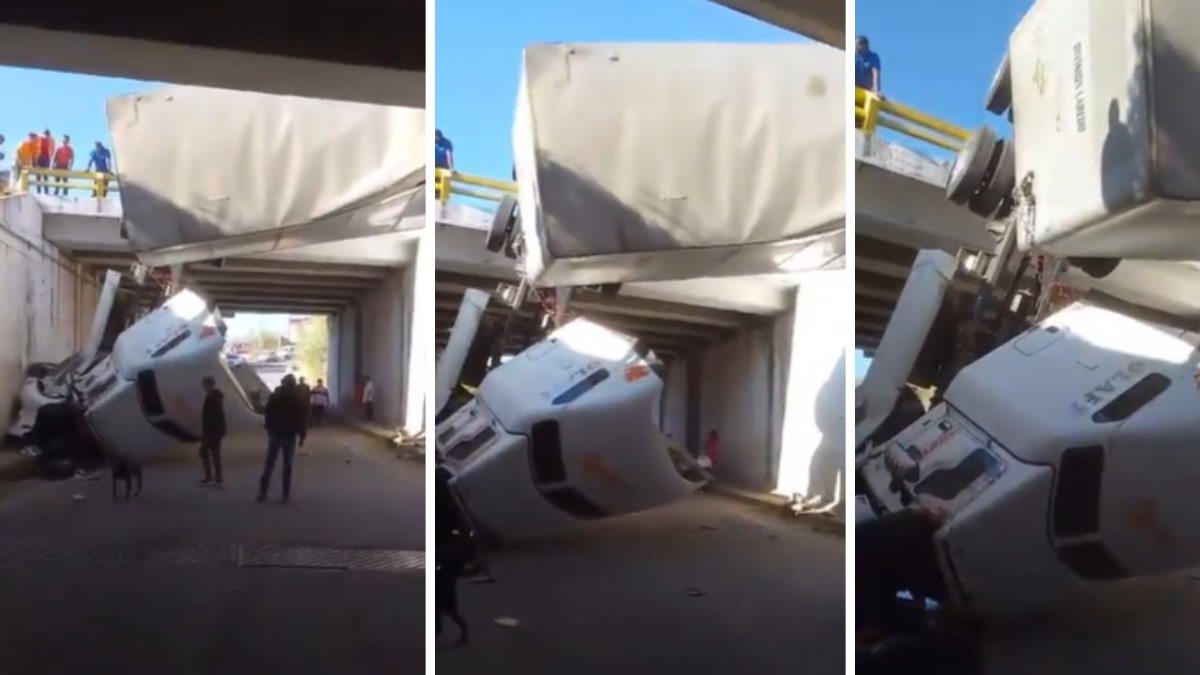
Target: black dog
{"x":127,"y":472}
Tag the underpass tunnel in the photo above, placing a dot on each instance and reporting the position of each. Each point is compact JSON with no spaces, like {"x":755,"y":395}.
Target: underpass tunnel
{"x":372,"y":311}
{"x":771,"y":384}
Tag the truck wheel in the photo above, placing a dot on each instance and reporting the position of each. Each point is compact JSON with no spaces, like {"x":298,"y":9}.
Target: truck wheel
{"x":502,"y":224}
{"x":971,"y":166}
{"x":994,"y":201}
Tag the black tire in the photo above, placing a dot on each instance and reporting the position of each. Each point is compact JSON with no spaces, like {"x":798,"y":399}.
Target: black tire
{"x":994,"y":200}
{"x":999,"y":97}
{"x":1097,"y":268}
{"x":971,"y":166}
{"x":502,"y":224}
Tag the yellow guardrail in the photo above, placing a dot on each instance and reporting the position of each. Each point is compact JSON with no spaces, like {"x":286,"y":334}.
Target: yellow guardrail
{"x":872,"y":111}
{"x":58,"y":181}
{"x":448,"y":182}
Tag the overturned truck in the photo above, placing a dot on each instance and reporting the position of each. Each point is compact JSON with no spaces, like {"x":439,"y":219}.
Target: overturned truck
{"x":613,"y":189}
{"x":133,"y":395}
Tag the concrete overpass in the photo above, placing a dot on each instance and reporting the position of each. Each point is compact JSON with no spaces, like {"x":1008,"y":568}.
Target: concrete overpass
{"x":364,"y":51}
{"x":821,"y":20}
{"x":900,"y":208}
{"x":56,"y":249}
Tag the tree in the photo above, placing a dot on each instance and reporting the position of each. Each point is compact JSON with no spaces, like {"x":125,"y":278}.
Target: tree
{"x":265,"y":341}
{"x":312,"y":349}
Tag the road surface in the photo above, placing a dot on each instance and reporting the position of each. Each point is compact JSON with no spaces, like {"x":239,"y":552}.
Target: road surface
{"x":186,"y":579}
{"x":708,"y":585}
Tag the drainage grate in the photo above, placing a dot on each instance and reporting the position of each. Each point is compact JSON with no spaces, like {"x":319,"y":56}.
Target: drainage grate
{"x":14,"y":554}
{"x":329,"y":558}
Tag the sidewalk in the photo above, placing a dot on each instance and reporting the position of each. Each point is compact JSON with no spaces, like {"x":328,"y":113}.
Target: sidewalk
{"x":413,"y":449}
{"x":779,"y":505}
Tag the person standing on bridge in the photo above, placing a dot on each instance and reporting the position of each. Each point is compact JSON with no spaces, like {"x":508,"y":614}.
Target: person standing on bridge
{"x":101,"y":161}
{"x":26,"y":154}
{"x":867,"y":67}
{"x":212,"y":432}
{"x":283,"y":420}
{"x":64,"y":160}
{"x":320,"y":399}
{"x":443,"y":151}
{"x":44,"y":155}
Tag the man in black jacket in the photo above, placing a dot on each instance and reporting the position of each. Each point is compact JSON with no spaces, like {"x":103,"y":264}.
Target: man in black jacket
{"x":212,"y":431}
{"x":284,"y":419}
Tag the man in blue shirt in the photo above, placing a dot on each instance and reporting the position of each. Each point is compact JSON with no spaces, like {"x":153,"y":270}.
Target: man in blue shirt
{"x":101,"y":161}
{"x":866,"y":66}
{"x":443,"y":151}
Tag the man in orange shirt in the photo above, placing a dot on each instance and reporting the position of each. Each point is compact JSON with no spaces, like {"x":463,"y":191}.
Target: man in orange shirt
{"x":44,"y":155}
{"x":64,"y":160}
{"x":27,"y":152}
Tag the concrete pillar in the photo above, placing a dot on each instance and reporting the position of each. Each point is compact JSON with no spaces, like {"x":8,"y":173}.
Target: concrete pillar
{"x":813,"y":441}
{"x":421,"y":327}
{"x":694,"y":366}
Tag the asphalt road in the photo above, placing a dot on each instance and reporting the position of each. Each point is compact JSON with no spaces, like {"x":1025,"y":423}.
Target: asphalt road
{"x":186,"y":579}
{"x":707,"y":585}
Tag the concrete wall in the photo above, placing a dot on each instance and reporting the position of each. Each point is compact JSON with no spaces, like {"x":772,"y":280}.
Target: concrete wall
{"x":384,"y":341}
{"x":674,"y":404}
{"x":388,"y":337}
{"x":775,"y":394}
{"x":343,"y":358}
{"x":736,"y":401}
{"x":46,"y":299}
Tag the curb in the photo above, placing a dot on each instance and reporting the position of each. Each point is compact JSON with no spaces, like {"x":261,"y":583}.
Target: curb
{"x":780,"y":506}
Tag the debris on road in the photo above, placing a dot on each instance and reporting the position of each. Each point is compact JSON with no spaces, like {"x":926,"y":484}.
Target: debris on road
{"x":693,"y":592}
{"x":78,"y":497}
{"x":507,"y":622}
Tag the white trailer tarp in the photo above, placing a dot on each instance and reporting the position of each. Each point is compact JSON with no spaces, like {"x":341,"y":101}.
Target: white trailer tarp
{"x":200,"y":165}
{"x":662,"y":161}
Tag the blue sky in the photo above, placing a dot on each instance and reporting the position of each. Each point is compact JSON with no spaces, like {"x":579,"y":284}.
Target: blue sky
{"x":479,"y":45}
{"x":939,"y":56}
{"x":62,"y":102}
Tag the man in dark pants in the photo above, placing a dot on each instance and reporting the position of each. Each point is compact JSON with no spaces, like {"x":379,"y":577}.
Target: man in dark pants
{"x":283,"y":419}
{"x":305,"y":393}
{"x":451,"y":552}
{"x":212,"y":431}
{"x":896,"y":552}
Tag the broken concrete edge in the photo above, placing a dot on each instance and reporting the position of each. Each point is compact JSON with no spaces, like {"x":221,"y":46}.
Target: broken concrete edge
{"x":779,"y":505}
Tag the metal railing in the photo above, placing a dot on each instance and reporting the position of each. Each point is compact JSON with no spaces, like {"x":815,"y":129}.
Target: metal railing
{"x":53,"y":181}
{"x":872,"y":111}
{"x":448,"y":182}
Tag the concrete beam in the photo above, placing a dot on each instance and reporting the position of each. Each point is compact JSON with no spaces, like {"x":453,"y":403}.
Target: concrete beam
{"x":900,"y":197}
{"x":277,"y":309}
{"x":652,"y":309}
{"x":821,"y":20}
{"x":296,"y":290}
{"x":335,"y":55}
{"x":876,"y":293}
